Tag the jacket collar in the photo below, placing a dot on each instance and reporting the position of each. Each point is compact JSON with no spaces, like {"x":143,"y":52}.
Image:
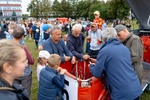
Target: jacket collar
{"x":16,"y":87}
{"x":111,"y":41}
{"x":50,"y":69}
{"x":124,"y":42}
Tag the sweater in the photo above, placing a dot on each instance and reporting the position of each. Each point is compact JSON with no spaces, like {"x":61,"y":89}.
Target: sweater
{"x":75,"y":45}
{"x":57,"y":48}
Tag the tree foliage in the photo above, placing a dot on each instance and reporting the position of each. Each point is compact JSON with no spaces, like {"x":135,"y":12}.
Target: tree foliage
{"x":118,"y":9}
{"x":45,"y":8}
{"x":25,"y":16}
{"x":14,"y":16}
{"x":83,"y":8}
{"x":33,"y":8}
{"x":63,"y":8}
{"x":38,"y":8}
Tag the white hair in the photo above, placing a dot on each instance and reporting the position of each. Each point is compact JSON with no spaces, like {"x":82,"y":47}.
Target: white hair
{"x":108,"y":33}
{"x":77,"y":26}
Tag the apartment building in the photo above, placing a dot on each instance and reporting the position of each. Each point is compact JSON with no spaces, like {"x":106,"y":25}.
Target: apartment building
{"x":8,"y":6}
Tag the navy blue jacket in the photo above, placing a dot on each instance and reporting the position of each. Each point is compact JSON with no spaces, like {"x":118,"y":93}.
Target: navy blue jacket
{"x":75,"y":45}
{"x":59,"y":48}
{"x":48,"y":90}
{"x":18,"y":92}
{"x":115,"y":62}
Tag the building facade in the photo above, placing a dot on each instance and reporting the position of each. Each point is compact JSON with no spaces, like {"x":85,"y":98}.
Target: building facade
{"x":7,"y":7}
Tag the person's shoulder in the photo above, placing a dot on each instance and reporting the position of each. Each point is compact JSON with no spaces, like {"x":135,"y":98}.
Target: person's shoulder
{"x":48,"y":41}
{"x":69,"y":37}
{"x":7,"y":95}
{"x":135,"y":36}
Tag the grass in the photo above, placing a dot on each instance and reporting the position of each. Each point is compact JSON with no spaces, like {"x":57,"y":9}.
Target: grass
{"x":34,"y":90}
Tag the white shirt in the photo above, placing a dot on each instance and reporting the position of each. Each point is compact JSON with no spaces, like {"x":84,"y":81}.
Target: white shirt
{"x":39,"y":68}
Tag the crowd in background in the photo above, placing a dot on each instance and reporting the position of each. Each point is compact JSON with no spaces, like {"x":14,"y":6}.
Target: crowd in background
{"x":55,"y":48}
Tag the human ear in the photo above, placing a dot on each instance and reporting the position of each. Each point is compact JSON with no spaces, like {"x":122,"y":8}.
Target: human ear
{"x":7,"y":68}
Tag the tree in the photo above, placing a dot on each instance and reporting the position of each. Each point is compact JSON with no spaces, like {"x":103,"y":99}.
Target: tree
{"x":33,"y":8}
{"x":56,"y":8}
{"x":100,"y":6}
{"x":25,"y":16}
{"x":45,"y":8}
{"x":63,"y":8}
{"x":118,"y":9}
{"x":14,"y":16}
{"x":83,"y":8}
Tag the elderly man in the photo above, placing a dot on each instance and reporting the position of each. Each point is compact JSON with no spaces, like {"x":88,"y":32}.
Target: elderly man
{"x":134,"y":44}
{"x":114,"y":62}
{"x":55,"y":45}
{"x":94,"y":35}
{"x":75,"y":42}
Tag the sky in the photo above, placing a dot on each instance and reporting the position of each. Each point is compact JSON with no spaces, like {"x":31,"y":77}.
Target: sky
{"x":25,"y":4}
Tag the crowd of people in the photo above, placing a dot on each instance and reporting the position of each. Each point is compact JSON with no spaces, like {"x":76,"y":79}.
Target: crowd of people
{"x":118,"y":55}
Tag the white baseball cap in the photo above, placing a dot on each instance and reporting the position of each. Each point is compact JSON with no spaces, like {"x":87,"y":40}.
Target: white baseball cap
{"x":44,"y":54}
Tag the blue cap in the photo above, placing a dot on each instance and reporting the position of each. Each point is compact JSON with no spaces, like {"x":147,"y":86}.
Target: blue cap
{"x":46,"y":27}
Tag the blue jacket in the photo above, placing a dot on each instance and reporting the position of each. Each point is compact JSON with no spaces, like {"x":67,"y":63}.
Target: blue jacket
{"x":59,"y":48}
{"x":17,"y":92}
{"x":115,"y":62}
{"x":48,"y":90}
{"x":75,"y":45}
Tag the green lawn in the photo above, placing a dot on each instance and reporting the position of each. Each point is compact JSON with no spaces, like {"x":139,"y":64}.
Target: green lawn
{"x":31,"y":46}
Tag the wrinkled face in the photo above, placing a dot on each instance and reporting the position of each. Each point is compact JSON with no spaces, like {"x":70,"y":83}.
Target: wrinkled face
{"x":76,"y":32}
{"x":21,"y":63}
{"x":122,"y":35}
{"x":56,"y":35}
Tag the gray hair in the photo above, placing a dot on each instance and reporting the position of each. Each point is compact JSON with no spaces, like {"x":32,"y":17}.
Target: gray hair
{"x":108,"y":33}
{"x":54,"y":28}
{"x":77,"y":26}
{"x":18,"y":32}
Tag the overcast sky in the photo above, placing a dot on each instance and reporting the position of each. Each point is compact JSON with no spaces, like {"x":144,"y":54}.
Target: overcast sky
{"x":24,"y":6}
{"x":25,"y":3}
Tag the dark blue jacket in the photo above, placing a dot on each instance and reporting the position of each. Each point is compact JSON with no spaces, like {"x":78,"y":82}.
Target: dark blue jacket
{"x":34,"y":27}
{"x":18,"y":92}
{"x":59,"y":48}
{"x":115,"y":62}
{"x":48,"y":90}
{"x":75,"y":45}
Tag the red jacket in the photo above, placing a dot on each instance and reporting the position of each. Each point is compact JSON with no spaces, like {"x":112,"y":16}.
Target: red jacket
{"x":99,"y":22}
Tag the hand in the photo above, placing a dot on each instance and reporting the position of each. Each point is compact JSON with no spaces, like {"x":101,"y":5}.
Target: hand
{"x":91,"y":64}
{"x":73,"y":60}
{"x":99,"y":39}
{"x":85,"y":57}
{"x":67,"y":58}
{"x":40,"y":47}
{"x":62,"y":71}
{"x":58,"y":69}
